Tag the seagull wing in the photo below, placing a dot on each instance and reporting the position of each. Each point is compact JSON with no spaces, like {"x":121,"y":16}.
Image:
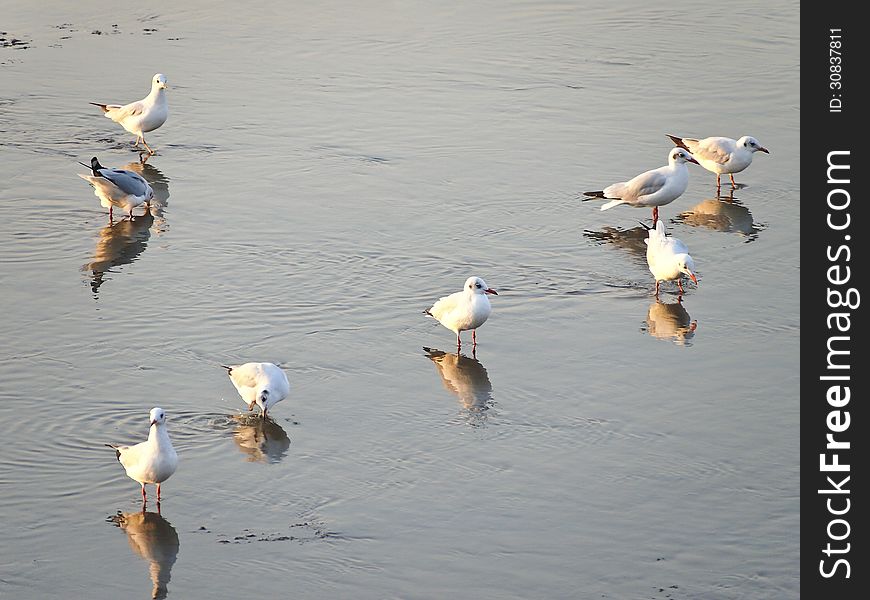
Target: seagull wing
{"x":126,"y":181}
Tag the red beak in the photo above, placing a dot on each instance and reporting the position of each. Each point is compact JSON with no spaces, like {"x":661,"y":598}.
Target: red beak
{"x":693,"y":160}
{"x":490,"y":291}
{"x":153,"y":423}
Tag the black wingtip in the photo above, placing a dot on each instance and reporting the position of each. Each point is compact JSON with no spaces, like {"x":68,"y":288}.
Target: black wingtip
{"x":678,"y":141}
{"x":229,"y":369}
{"x":644,"y":225}
{"x":426,"y":312}
{"x":592,"y":195}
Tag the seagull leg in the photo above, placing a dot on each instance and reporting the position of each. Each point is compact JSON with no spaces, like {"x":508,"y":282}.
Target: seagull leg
{"x":680,"y":284}
{"x":473,"y":339}
{"x":147,"y":146}
{"x":655,"y":215}
{"x":458,"y":341}
{"x":718,"y":184}
{"x":733,"y":183}
{"x":158,"y":493}
{"x":144,"y":498}
{"x":657,"y":288}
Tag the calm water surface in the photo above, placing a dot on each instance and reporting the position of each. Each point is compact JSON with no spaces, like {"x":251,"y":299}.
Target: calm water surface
{"x":327,"y":171}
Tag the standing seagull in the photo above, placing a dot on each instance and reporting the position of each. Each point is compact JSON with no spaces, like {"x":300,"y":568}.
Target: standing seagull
{"x":118,"y":187}
{"x":461,"y":311}
{"x":654,"y":188}
{"x":151,"y":461}
{"x":260,"y":383}
{"x":721,"y":154}
{"x":144,"y":115}
{"x":668,"y":258}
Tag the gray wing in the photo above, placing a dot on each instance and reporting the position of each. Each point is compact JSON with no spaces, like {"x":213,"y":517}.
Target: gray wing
{"x":646,"y":184}
{"x":126,"y":181}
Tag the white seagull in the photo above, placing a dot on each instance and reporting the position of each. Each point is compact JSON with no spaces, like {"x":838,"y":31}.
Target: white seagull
{"x":118,"y":187}
{"x":668,"y":258}
{"x":144,"y":115}
{"x":654,"y":188}
{"x":151,"y":461}
{"x":721,"y":154}
{"x":261,"y":383}
{"x":461,"y":311}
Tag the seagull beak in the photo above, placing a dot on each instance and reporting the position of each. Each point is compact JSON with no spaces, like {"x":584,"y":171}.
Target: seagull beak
{"x":692,"y":159}
{"x":153,"y":423}
{"x":763,"y":149}
{"x":490,"y":291}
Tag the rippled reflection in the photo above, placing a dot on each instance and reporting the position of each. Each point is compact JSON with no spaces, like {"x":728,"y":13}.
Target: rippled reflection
{"x":631,"y":240}
{"x":464,"y":377}
{"x":120,"y":243}
{"x":159,"y":183}
{"x":262,"y":440}
{"x":153,"y":538}
{"x":724,"y":213}
{"x":670,"y":322}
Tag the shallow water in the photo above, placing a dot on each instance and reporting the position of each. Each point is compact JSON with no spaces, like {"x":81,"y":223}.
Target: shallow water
{"x":327,"y":171}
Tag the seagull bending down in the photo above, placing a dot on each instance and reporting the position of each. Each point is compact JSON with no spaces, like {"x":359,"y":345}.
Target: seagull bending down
{"x":654,"y":188}
{"x":118,"y":187}
{"x":668,"y":258}
{"x":262,"y":383}
{"x":721,"y":154}
{"x":144,"y":115}
{"x":461,"y":311}
{"x":151,"y":461}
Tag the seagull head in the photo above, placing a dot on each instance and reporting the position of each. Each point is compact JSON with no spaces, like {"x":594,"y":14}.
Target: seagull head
{"x":681,"y":156}
{"x":158,"y":416}
{"x":687,"y":267}
{"x":159,"y":81}
{"x":263,"y":398}
{"x":477,"y":285}
{"x":751,"y":144}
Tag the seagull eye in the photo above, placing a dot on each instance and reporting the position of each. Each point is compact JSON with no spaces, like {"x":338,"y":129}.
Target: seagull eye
{"x":477,"y":285}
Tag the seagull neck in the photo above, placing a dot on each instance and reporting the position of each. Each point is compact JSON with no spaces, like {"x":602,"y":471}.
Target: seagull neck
{"x":157,"y":95}
{"x":158,"y":435}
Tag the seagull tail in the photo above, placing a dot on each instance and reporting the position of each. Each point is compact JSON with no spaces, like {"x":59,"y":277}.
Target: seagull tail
{"x":612,"y":203}
{"x":678,"y":141}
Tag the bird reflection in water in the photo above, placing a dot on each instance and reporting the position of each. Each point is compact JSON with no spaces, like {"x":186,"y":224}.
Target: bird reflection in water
{"x":630,"y":240}
{"x":153,"y":538}
{"x":262,"y":440}
{"x":466,"y":378}
{"x":723,"y":213}
{"x":670,"y":321}
{"x":159,"y":184}
{"x":120,"y":243}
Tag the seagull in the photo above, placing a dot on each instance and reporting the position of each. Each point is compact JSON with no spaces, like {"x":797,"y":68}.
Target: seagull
{"x":118,"y":187}
{"x":261,"y":383}
{"x":144,"y":115}
{"x":721,"y":154}
{"x":654,"y":188}
{"x":151,"y":461}
{"x":668,"y":258}
{"x":468,"y":309}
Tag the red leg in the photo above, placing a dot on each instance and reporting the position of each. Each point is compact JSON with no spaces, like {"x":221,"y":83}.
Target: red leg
{"x":143,"y":493}
{"x":655,"y":215}
{"x":458,"y":341}
{"x":158,"y":493}
{"x":680,"y":284}
{"x":474,"y":337}
{"x":657,"y":288}
{"x":733,"y":183}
